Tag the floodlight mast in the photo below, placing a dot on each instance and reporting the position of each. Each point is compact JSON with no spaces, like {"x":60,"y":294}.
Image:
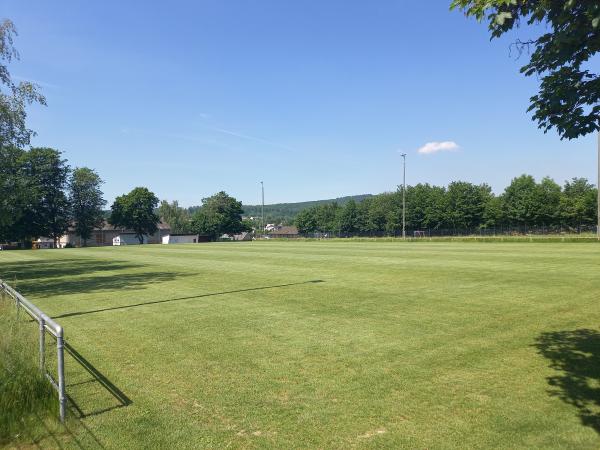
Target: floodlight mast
{"x":404,"y":196}
{"x":262,"y":212}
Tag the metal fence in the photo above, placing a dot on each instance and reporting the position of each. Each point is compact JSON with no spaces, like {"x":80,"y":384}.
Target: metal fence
{"x":46,"y":324}
{"x":458,"y":232}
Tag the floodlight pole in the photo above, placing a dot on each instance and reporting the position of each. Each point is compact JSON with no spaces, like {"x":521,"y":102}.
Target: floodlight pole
{"x":404,"y":196}
{"x":262,"y":212}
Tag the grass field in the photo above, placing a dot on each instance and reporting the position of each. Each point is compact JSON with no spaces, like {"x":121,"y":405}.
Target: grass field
{"x":325,"y":344}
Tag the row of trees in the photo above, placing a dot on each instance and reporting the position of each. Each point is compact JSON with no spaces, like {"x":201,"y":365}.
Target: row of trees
{"x":41,"y":196}
{"x":525,"y":203}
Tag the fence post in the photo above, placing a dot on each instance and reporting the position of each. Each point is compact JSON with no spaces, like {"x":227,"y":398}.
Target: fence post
{"x":62,"y":399}
{"x":42,"y":345}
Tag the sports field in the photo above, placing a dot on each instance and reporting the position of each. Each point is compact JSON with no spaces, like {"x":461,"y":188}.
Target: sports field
{"x":325,"y":344}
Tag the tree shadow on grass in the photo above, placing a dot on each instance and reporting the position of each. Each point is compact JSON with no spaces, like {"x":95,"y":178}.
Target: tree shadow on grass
{"x":27,"y":271}
{"x":96,"y":283}
{"x":576,"y":356}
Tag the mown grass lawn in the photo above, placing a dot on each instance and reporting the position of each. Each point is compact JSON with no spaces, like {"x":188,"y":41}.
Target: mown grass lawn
{"x":325,"y":344}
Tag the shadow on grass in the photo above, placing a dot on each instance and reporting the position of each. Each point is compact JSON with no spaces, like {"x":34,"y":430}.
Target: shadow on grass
{"x":576,"y":356}
{"x":155,"y":302}
{"x":25,"y":271}
{"x":44,"y":279}
{"x":98,"y":381}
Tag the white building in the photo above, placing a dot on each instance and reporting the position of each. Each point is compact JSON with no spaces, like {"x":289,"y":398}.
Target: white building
{"x":180,"y":239}
{"x":128,"y":239}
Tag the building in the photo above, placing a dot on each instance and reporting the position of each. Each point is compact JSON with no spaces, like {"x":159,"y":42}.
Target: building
{"x":43,"y":242}
{"x":290,"y":232}
{"x":128,"y":239}
{"x":180,"y":239}
{"x":105,"y":234}
{"x":244,"y":236}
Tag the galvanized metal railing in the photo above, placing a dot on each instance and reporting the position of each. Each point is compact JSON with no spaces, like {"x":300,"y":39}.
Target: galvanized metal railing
{"x":49,"y":325}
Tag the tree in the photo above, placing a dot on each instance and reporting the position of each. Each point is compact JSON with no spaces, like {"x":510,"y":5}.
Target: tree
{"x":14,"y":97}
{"x":13,"y":190}
{"x":465,"y":203}
{"x":86,"y":202}
{"x":547,"y":202}
{"x":348,"y":219}
{"x":177,"y":217}
{"x":306,"y":220}
{"x":45,"y":180}
{"x":521,"y":201}
{"x":220,"y":214}
{"x":578,"y":203}
{"x":135,"y":211}
{"x":569,"y":94}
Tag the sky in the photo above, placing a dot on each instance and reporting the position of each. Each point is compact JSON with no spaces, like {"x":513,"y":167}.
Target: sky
{"x":317,"y":99}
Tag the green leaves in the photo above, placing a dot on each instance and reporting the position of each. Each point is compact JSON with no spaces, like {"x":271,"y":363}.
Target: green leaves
{"x":135,"y":211}
{"x":14,"y":98}
{"x":220,"y":214}
{"x":569,"y":93}
{"x":86,"y":201}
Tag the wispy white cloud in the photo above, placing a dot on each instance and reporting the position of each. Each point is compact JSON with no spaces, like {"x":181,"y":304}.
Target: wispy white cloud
{"x":435,"y":147}
{"x":250,"y":138}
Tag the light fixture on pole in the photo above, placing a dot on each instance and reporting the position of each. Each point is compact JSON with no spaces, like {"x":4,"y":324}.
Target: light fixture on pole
{"x":404,"y":196}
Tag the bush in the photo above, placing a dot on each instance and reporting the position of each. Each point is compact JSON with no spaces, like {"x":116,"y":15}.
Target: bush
{"x":25,"y":395}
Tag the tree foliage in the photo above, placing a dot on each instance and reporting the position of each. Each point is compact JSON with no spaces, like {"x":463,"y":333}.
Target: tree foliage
{"x":462,"y":206}
{"x":135,"y":211}
{"x":177,"y":217}
{"x":220,"y":214}
{"x":86,"y":201}
{"x":14,"y":97}
{"x":45,"y":175}
{"x":569,"y":93}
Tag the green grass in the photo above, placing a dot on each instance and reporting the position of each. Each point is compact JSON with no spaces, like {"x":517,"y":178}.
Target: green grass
{"x":320,"y":344}
{"x":26,"y":399}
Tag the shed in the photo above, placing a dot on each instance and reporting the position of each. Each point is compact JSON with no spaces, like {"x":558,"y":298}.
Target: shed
{"x":128,"y":239}
{"x":180,"y":238}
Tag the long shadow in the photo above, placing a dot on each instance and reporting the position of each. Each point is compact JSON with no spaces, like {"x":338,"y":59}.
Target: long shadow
{"x":97,"y":377}
{"x":576,"y":356}
{"x":95,"y":283}
{"x":155,"y":302}
{"x":44,"y":269}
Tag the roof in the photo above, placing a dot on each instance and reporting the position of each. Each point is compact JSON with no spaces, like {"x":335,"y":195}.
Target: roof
{"x":183,"y":234}
{"x":286,"y":230}
{"x":106,"y":226}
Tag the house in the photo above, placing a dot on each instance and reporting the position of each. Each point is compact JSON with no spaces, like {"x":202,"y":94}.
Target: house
{"x":43,"y":242}
{"x":175,"y":238}
{"x":290,"y":232}
{"x":244,"y":236}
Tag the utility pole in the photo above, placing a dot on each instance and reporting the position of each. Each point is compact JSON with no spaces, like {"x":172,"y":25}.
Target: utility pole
{"x":262,"y":212}
{"x":598,"y":186}
{"x":404,"y":196}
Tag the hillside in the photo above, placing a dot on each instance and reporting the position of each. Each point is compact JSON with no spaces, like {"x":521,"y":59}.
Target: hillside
{"x":287,"y":211}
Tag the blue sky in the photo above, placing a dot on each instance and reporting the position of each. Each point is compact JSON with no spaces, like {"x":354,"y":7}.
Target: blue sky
{"x":316,"y":98}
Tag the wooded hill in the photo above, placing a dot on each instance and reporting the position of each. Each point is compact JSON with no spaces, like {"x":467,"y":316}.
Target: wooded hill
{"x":286,"y":212}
